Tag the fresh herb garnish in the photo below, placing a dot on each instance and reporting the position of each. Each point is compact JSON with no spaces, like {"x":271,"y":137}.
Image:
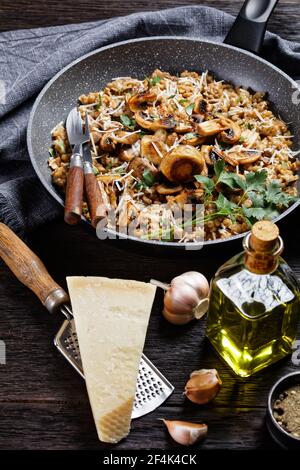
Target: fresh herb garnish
{"x":189,"y":109}
{"x":191,"y":135}
{"x":52,"y":152}
{"x":95,"y":170}
{"x":98,"y":105}
{"x":267,"y":198}
{"x":147,"y":181}
{"x":153,"y":81}
{"x":127,"y":121}
{"x":183,"y":101}
{"x":61,"y":145}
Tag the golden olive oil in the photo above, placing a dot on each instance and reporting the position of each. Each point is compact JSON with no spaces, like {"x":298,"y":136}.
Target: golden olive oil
{"x":253,"y":316}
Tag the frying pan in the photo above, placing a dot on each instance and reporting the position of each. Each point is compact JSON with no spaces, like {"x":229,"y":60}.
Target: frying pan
{"x":139,"y":57}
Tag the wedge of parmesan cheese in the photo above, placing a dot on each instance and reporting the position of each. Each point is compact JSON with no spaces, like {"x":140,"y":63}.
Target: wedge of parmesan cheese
{"x":111,"y":318}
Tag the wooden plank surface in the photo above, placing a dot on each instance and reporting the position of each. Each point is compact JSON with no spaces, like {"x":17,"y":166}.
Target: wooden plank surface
{"x":27,"y":14}
{"x":43,"y":403}
{"x":41,"y":395}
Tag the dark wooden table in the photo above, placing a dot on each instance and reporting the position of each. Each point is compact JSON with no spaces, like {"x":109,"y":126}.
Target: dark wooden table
{"x":43,"y":402}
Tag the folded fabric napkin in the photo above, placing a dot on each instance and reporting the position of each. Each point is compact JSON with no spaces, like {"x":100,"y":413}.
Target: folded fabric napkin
{"x":29,"y":58}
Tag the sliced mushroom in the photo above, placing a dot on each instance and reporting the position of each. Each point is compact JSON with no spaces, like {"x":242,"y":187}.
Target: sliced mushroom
{"x":154,"y":123}
{"x":139,"y":165}
{"x":192,"y":138}
{"x":127,"y":138}
{"x":108,"y":179}
{"x":168,"y":190}
{"x":161,"y":134}
{"x":106,"y":143}
{"x":153,"y":149}
{"x":200,"y":106}
{"x":182,"y":163}
{"x":211,"y":154}
{"x":126,"y":155}
{"x":183,"y":126}
{"x":241,"y":158}
{"x":231,"y":135}
{"x":141,"y":100}
{"x":212,"y":127}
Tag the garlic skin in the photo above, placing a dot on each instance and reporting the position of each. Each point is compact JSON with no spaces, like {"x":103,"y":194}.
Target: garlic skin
{"x":203,"y":386}
{"x":186,"y":433}
{"x":186,"y":298}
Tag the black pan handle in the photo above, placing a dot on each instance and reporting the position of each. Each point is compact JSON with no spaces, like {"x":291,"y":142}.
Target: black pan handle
{"x":248,"y":30}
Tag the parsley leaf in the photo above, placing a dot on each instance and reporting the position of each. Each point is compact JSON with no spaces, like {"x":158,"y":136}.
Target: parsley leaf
{"x":207,"y":183}
{"x":127,"y":122}
{"x":257,"y":213}
{"x":274,"y":195}
{"x":191,"y":135}
{"x":233,"y":180}
{"x":219,"y":167}
{"x":52,"y":152}
{"x":98,"y":105}
{"x":147,"y":181}
{"x":256,"y":180}
{"x":153,"y":81}
{"x":189,"y":109}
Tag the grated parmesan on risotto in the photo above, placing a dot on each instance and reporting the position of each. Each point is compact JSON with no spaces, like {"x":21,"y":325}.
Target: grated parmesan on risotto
{"x":186,"y":139}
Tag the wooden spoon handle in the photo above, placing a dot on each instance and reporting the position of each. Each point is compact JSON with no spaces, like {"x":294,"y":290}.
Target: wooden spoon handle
{"x":74,"y":191}
{"x":30,"y":270}
{"x":93,"y":194}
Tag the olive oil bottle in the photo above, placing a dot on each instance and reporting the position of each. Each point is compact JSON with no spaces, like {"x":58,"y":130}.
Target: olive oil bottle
{"x":254,"y":304}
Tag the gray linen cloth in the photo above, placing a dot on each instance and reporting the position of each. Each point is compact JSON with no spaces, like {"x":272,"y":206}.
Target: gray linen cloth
{"x":29,"y":58}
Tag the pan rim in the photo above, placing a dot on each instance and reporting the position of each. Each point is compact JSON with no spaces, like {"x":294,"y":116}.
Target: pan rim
{"x":55,"y":195}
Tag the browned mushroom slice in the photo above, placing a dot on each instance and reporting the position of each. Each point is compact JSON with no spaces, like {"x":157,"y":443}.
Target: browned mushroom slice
{"x":108,"y":179}
{"x":182,"y":163}
{"x":161,"y":134}
{"x":183,"y":126}
{"x":231,"y":135}
{"x":168,"y":190}
{"x":127,"y":138}
{"x":106,"y":143}
{"x":241,"y":158}
{"x":139,"y":165}
{"x":153,"y":149}
{"x":211,"y":154}
{"x":141,"y":100}
{"x":192,"y":138}
{"x":154,"y":123}
{"x":212,"y":127}
{"x":126,"y":155}
{"x":200,"y":106}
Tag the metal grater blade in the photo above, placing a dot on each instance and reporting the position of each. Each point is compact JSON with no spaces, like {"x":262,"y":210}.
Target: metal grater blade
{"x":152,"y":388}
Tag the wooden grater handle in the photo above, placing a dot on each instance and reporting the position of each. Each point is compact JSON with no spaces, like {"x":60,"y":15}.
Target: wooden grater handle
{"x":30,"y":270}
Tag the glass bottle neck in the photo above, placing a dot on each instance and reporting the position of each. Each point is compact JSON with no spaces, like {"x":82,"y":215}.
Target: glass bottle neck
{"x":261,"y":262}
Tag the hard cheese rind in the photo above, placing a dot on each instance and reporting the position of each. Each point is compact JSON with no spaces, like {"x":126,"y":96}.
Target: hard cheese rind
{"x":111,"y":318}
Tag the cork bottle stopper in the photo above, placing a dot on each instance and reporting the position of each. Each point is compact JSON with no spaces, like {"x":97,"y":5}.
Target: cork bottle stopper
{"x":264,"y":236}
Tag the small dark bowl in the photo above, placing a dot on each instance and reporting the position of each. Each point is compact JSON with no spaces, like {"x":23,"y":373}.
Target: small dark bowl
{"x":282,"y":437}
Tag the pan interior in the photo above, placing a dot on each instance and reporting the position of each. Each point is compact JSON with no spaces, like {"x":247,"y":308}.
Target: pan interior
{"x":138,"y":59}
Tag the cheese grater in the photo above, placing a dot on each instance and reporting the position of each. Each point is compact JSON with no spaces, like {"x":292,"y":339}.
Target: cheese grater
{"x":152,"y":387}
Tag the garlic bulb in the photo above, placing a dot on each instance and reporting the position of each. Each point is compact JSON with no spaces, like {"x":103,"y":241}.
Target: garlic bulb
{"x":186,"y":297}
{"x":203,"y":386}
{"x":186,"y":433}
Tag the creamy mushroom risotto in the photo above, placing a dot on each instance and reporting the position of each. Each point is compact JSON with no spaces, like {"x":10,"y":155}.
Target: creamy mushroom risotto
{"x":187,"y":139}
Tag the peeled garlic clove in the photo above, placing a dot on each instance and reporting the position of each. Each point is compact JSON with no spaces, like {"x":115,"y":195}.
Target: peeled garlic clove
{"x":201,"y":308}
{"x":186,"y":433}
{"x":203,"y":386}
